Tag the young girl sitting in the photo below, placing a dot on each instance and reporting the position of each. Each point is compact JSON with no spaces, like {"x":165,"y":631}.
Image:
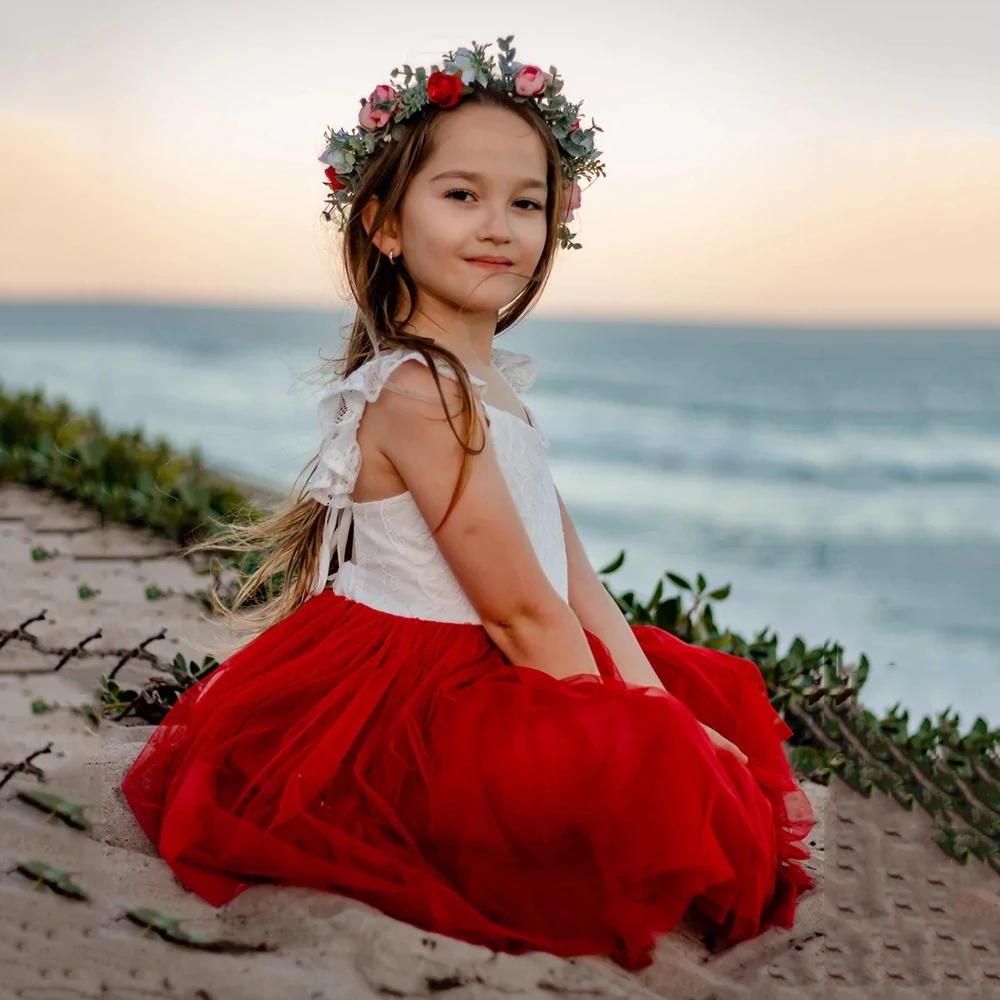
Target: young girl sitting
{"x":463,"y":730}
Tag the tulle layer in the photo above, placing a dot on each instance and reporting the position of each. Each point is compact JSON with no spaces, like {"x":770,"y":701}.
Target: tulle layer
{"x":406,"y":764}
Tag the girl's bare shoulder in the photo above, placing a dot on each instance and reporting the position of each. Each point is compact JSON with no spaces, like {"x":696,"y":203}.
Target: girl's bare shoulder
{"x":411,"y":392}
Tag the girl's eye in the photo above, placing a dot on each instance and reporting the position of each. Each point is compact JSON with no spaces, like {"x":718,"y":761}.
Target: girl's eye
{"x":521,"y":201}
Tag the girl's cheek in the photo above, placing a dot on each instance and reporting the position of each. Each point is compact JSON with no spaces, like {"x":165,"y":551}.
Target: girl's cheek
{"x":535,"y":230}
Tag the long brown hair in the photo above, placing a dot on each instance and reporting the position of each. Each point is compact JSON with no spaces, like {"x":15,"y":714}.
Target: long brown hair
{"x":289,"y":535}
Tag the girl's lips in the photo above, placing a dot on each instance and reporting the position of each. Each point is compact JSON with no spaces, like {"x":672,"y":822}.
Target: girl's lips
{"x":489,"y":263}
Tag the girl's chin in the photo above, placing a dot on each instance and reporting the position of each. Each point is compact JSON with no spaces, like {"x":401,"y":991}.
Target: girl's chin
{"x":491,"y":304}
{"x":489,"y":295}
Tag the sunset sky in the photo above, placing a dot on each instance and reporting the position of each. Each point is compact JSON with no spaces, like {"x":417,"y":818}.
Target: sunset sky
{"x":766,"y":160}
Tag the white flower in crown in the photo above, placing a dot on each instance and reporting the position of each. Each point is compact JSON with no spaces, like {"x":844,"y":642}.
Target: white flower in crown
{"x":463,"y":63}
{"x":338,"y":159}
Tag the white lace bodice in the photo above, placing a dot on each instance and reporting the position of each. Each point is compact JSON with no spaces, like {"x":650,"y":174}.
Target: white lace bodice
{"x":396,"y":565}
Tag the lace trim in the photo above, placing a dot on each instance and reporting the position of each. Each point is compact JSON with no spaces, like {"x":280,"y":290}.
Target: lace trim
{"x":340,"y":409}
{"x":520,"y":370}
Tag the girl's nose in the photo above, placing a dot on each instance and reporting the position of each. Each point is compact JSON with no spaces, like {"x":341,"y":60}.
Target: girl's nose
{"x":496,"y":224}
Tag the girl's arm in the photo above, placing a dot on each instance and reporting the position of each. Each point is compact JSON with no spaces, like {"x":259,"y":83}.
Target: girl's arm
{"x":597,"y":611}
{"x":484,"y":540}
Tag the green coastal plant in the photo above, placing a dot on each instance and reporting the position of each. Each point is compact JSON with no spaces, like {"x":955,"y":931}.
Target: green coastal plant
{"x":71,"y":813}
{"x":57,"y":879}
{"x":170,"y":929}
{"x":953,"y":775}
{"x":121,"y":476}
{"x":159,"y":694}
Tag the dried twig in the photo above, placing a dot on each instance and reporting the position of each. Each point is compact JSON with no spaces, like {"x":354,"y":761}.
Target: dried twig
{"x":25,"y":765}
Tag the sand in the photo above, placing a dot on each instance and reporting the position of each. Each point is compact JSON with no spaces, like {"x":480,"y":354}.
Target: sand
{"x":893,"y":915}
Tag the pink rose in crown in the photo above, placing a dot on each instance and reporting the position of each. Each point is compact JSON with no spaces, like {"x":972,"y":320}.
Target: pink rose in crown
{"x":371,"y":117}
{"x":573,"y":196}
{"x":531,"y":80}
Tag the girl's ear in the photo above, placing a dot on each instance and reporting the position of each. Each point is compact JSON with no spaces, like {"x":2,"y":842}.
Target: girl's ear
{"x":387,"y":237}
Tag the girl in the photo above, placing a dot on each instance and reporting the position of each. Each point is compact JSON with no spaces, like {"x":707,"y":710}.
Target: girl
{"x":464,"y":731}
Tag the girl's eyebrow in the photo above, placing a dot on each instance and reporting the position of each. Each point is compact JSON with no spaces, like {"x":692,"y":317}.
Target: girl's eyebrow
{"x":528,"y":182}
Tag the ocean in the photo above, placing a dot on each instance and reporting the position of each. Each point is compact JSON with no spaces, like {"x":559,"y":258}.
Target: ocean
{"x":845,"y":481}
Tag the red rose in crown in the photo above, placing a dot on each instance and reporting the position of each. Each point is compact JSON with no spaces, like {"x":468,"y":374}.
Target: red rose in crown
{"x":444,"y":89}
{"x":335,"y":182}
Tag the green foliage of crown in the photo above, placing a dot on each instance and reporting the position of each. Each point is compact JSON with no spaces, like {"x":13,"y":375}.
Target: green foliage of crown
{"x":385,"y":111}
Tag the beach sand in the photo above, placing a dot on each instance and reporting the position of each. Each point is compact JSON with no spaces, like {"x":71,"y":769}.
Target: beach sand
{"x":893,"y":915}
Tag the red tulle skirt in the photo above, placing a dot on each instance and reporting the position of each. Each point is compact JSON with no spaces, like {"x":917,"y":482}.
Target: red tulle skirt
{"x":407,"y":764}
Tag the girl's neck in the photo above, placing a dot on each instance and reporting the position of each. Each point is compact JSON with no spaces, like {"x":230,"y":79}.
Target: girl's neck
{"x":470,"y":339}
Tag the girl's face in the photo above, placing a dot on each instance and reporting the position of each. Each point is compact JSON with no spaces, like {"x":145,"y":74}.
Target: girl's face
{"x":481,"y":193}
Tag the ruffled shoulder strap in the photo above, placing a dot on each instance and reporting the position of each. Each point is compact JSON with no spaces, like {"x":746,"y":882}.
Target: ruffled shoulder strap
{"x":520,"y":370}
{"x":341,"y":405}
{"x":340,"y":408}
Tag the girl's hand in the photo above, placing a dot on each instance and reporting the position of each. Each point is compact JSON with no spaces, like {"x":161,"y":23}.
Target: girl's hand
{"x":721,"y":741}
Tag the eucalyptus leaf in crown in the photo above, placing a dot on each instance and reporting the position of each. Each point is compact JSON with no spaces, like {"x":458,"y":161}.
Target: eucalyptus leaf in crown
{"x":384,"y":112}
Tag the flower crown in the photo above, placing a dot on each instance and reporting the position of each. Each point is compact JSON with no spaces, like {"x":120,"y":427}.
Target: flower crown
{"x":383,"y":114}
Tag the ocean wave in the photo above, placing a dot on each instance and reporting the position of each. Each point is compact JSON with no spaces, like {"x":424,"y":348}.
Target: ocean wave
{"x":829,"y":467}
{"x":844,"y":457}
{"x":798,"y":511}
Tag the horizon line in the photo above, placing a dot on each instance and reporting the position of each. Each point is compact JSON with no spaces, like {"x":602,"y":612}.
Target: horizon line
{"x":720,"y":320}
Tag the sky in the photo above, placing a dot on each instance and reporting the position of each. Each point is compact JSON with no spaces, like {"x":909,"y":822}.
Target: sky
{"x":771,"y":160}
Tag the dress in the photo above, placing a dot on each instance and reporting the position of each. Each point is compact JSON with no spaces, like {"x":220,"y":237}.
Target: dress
{"x":377,"y":744}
